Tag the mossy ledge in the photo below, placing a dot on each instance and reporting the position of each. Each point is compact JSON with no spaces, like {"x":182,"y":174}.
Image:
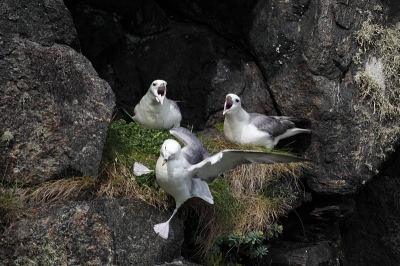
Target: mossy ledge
{"x":250,"y":198}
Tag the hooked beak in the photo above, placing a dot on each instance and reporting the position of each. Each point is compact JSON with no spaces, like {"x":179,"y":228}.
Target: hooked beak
{"x":228,"y":104}
{"x":161,"y":92}
{"x":164,"y":162}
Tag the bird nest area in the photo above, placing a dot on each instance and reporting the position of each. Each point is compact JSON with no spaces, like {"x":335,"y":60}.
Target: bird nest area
{"x":250,"y":197}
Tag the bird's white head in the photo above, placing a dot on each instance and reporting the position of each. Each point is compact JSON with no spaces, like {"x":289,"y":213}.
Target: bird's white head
{"x":232,"y":103}
{"x":169,"y":150}
{"x":159,"y":89}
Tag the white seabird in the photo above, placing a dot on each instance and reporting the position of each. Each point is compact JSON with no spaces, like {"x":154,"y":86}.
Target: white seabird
{"x":155,"y":110}
{"x":253,"y":128}
{"x":185,"y":173}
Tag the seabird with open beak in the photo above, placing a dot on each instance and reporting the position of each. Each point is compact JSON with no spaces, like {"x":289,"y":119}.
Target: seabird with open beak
{"x":155,"y":110}
{"x":253,"y":128}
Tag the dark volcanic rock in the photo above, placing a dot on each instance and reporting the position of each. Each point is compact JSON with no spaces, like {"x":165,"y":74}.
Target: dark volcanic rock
{"x":307,"y":58}
{"x":371,"y":236}
{"x":43,"y":22}
{"x":313,"y":254}
{"x":102,"y":23}
{"x":199,"y":66}
{"x":230,"y":18}
{"x":56,"y":108}
{"x":100,"y":232}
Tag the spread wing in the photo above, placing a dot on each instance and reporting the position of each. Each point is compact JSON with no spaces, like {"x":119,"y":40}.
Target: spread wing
{"x":208,"y":169}
{"x":194,"y":150}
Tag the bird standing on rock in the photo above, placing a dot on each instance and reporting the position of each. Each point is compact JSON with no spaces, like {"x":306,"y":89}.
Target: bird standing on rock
{"x":156,"y":111}
{"x":185,"y":173}
{"x":253,"y":128}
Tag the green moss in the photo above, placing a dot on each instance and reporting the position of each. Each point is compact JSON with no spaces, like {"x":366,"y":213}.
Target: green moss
{"x":220,"y":127}
{"x":128,"y":143}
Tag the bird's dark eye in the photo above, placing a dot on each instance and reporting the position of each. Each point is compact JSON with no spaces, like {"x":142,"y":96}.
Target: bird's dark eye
{"x":237,"y":100}
{"x":154,"y":84}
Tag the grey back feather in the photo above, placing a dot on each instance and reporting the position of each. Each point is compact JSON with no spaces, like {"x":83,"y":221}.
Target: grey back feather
{"x":274,"y":125}
{"x":174,"y":105}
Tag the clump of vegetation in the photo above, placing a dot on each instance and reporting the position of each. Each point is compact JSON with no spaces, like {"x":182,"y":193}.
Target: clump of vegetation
{"x":231,"y":248}
{"x":128,"y":143}
{"x":248,"y":199}
{"x":220,"y":127}
{"x":10,"y":202}
{"x":378,"y":59}
{"x":384,"y":43}
{"x":7,"y":137}
{"x":61,"y":189}
{"x":371,"y":93}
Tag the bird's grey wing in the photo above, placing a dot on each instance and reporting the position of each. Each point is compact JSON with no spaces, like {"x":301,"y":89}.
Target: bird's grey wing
{"x":273,"y":125}
{"x":174,"y":105}
{"x":208,"y":169}
{"x":194,"y":150}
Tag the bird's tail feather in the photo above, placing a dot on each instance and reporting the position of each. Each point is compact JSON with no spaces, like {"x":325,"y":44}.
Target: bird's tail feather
{"x":139,"y":169}
{"x":294,"y":131}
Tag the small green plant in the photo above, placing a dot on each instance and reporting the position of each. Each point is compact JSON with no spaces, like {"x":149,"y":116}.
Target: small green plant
{"x":9,"y":202}
{"x":220,"y":127}
{"x":7,"y":137}
{"x":238,"y":245}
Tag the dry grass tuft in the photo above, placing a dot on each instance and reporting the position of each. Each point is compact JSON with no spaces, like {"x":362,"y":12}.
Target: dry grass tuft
{"x":249,"y":179}
{"x":259,"y":213}
{"x":62,"y":189}
{"x":119,"y":181}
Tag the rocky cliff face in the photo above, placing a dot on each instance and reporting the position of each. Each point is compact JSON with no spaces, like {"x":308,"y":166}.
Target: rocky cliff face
{"x":53,"y":104}
{"x":62,"y":64}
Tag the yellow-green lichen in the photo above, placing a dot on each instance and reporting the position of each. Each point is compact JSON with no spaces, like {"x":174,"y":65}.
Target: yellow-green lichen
{"x":377,"y":78}
{"x":378,"y":43}
{"x":7,"y":137}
